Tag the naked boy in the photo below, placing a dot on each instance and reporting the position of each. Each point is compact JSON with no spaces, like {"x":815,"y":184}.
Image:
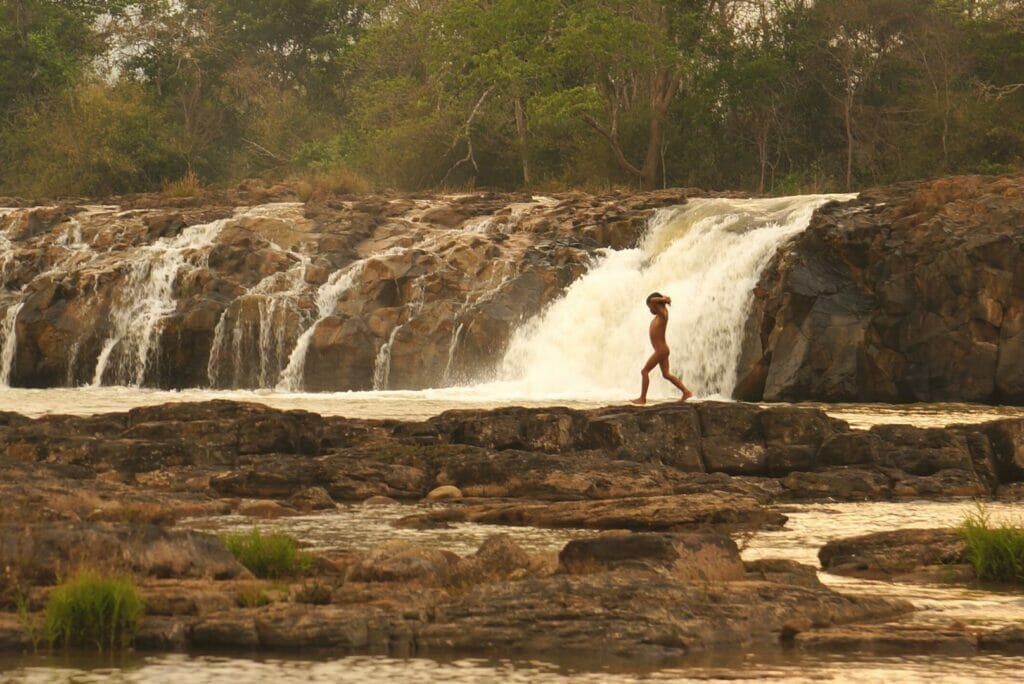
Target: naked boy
{"x":658,"y":304}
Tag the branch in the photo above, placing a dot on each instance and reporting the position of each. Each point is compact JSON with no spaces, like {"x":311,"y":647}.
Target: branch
{"x":613,"y":140}
{"x":467,"y":133}
{"x":994,"y":92}
{"x":264,"y":150}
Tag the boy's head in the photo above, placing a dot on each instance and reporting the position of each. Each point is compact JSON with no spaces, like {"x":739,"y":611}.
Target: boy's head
{"x":651,"y":297}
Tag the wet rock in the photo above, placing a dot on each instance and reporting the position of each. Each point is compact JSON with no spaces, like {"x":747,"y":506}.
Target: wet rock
{"x":653,"y":513}
{"x":380,"y":501}
{"x":688,"y":557}
{"x":899,"y":555}
{"x":635,"y":614}
{"x":838,"y":483}
{"x":262,"y":508}
{"x":1008,"y":640}
{"x":907,"y":293}
{"x":783,"y":571}
{"x":312,"y":499}
{"x":403,"y":562}
{"x":42,"y":554}
{"x":443,"y":493}
{"x":233,"y":630}
{"x":889,"y":639}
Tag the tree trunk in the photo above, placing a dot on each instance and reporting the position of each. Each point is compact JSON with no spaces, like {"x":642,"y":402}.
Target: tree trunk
{"x":521,"y":137}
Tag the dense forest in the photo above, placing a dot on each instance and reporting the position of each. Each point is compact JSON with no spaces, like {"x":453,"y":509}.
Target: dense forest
{"x":775,"y":96}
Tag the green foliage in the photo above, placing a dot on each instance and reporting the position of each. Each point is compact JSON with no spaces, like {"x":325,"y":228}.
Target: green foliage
{"x":995,"y":550}
{"x":113,"y":96}
{"x":94,"y":610}
{"x":271,"y":555}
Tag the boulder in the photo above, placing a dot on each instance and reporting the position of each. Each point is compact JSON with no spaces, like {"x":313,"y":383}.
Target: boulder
{"x":898,"y":555}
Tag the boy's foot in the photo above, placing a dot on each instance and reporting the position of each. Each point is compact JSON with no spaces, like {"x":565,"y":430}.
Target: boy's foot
{"x":686,"y":395}
{"x":638,"y":402}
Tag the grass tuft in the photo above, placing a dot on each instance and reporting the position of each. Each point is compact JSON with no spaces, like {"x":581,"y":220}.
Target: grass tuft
{"x":94,"y":610}
{"x":995,"y":550}
{"x":186,"y":186}
{"x":272,"y":555}
{"x":322,"y":184}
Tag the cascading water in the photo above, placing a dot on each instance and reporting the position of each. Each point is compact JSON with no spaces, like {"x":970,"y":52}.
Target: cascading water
{"x":264,"y":341}
{"x":327,"y":298}
{"x":706,"y":255}
{"x":147,"y":298}
{"x":8,"y":342}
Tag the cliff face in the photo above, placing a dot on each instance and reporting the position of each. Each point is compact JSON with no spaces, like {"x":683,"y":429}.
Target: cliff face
{"x":913,"y":292}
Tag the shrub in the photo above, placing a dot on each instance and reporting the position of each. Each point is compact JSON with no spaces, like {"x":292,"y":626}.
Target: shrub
{"x":93,"y":610}
{"x":995,"y":551}
{"x":270,"y":555}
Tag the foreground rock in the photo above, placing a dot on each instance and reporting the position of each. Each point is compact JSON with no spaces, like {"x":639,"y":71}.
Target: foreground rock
{"x":912,"y":292}
{"x":936,"y":555}
{"x":639,"y":597}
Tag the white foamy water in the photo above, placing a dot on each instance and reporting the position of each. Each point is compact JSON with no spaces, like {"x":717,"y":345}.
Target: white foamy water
{"x":148,"y":298}
{"x":8,"y":342}
{"x":707,"y":255}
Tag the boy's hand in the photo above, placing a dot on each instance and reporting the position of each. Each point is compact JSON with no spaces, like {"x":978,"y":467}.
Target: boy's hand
{"x":668,"y":300}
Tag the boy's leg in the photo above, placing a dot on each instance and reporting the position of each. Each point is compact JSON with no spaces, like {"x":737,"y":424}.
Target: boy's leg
{"x":665,"y":373}
{"x":645,"y":374}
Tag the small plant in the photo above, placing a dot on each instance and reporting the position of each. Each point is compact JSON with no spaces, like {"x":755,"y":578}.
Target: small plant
{"x":995,"y":551}
{"x":271,"y":555}
{"x":186,"y":186}
{"x":252,"y":597}
{"x":94,"y":610}
{"x":315,"y":593}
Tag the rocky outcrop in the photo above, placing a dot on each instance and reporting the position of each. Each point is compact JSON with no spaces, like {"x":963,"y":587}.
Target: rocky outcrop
{"x":913,"y":292}
{"x":628,"y":467}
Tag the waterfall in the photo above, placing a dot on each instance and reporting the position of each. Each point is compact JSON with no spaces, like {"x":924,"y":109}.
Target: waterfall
{"x":707,"y":256}
{"x":9,"y":342}
{"x":327,"y":298}
{"x":275,"y":298}
{"x":382,"y":364}
{"x":147,"y":298}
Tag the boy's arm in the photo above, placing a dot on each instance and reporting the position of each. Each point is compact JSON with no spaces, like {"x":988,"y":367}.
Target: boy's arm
{"x":662,"y":300}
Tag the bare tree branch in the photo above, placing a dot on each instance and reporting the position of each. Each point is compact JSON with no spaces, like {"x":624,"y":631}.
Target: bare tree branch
{"x":467,"y":133}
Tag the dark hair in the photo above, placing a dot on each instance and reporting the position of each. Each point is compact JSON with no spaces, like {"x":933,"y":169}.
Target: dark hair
{"x":652,"y":296}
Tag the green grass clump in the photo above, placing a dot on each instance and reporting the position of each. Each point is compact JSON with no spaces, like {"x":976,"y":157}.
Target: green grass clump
{"x":995,"y":551}
{"x":271,"y":555}
{"x":94,"y":610}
